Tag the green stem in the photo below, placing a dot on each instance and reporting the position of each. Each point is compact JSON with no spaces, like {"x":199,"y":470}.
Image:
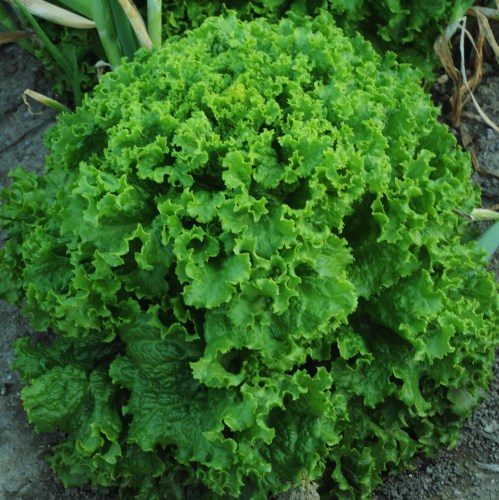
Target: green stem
{"x":102,"y":16}
{"x":76,"y":77}
{"x":154,"y":21}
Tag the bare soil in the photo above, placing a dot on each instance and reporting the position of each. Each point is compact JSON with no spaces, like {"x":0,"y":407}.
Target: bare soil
{"x":467,"y":472}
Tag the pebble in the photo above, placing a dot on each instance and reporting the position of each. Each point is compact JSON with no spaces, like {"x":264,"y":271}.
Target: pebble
{"x":3,"y":390}
{"x":491,"y":427}
{"x":489,"y":133}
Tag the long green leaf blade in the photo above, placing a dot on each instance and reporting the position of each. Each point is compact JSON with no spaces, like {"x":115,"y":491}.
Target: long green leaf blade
{"x":154,"y":23}
{"x":102,"y":15}
{"x":124,"y":29}
{"x":80,"y":6}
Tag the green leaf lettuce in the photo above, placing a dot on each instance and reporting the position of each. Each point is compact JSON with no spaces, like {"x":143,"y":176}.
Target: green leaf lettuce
{"x":245,"y":247}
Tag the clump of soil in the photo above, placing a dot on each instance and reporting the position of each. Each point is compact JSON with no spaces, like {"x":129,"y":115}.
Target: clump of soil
{"x":468,"y":471}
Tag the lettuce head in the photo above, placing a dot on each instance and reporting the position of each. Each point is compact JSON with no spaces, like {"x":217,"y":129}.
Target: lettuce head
{"x":246,"y":250}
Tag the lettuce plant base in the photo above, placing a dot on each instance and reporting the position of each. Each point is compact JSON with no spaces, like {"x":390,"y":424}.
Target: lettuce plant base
{"x":34,"y":482}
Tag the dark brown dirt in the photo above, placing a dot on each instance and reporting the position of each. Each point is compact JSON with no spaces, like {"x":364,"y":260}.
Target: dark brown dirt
{"x":24,"y":475}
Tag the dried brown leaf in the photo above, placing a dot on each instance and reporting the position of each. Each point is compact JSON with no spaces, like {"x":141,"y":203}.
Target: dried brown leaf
{"x":137,"y":23}
{"x":443,"y":52}
{"x":12,"y":36}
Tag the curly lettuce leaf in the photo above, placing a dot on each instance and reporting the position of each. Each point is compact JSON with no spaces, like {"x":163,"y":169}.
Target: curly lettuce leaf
{"x":246,"y":248}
